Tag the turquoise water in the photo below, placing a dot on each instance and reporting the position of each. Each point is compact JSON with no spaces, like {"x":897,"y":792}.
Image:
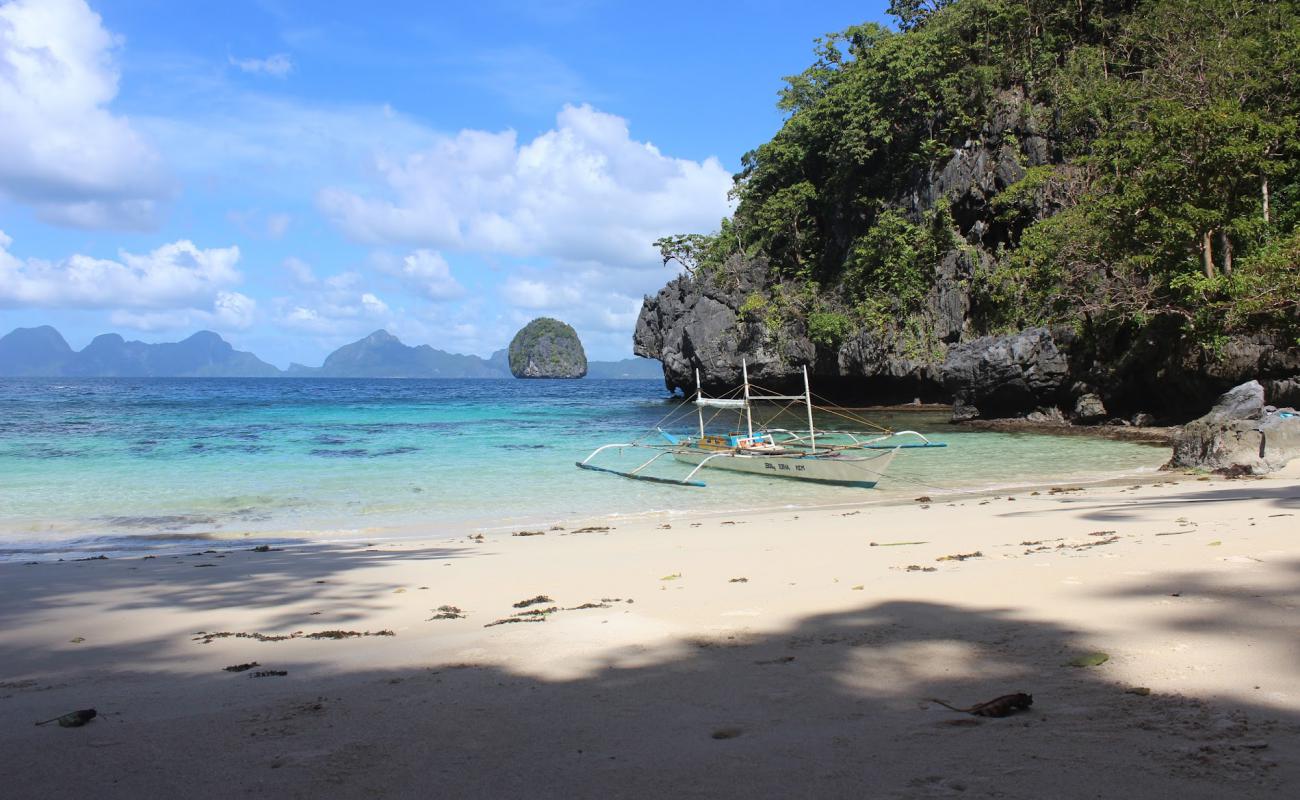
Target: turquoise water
{"x":100,"y":465}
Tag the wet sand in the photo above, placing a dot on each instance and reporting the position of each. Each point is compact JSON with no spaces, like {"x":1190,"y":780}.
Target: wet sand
{"x":789,"y":653}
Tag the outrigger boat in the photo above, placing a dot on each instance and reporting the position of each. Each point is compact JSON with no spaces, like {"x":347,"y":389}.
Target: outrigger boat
{"x":845,"y":458}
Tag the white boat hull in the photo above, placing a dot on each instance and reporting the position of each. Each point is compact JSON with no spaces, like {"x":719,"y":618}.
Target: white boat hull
{"x":856,"y":470}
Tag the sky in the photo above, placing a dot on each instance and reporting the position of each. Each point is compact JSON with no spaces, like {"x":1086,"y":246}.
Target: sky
{"x":296,"y":175}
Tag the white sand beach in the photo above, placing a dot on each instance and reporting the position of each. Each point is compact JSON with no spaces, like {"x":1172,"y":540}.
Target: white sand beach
{"x":787,"y":653}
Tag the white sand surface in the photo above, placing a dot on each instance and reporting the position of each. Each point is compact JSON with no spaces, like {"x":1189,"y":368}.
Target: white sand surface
{"x":783,"y":654}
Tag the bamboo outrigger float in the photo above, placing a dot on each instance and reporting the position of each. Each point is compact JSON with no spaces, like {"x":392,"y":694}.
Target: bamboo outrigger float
{"x":842,"y":458}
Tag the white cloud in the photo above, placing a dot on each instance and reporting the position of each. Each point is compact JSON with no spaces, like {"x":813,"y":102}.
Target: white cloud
{"x":61,"y":150}
{"x":534,"y":294}
{"x":335,"y":306}
{"x":373,"y":305}
{"x":584,"y":191}
{"x":230,"y":311}
{"x":278,"y":65}
{"x":425,"y":272}
{"x":176,"y":274}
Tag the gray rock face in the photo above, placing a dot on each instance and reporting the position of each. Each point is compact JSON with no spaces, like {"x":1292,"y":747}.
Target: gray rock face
{"x":695,"y":322}
{"x":997,"y":376}
{"x":1240,"y":434}
{"x":547,"y":348}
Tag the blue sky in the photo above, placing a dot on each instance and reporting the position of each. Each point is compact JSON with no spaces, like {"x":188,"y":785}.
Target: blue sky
{"x":296,"y":175}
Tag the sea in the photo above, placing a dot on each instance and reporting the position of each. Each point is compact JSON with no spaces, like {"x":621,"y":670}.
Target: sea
{"x":121,"y":465}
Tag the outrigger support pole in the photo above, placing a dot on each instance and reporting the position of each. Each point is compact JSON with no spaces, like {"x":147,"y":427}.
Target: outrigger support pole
{"x":749,"y":417}
{"x":700,"y":465}
{"x":807,"y":391}
{"x":699,"y":395}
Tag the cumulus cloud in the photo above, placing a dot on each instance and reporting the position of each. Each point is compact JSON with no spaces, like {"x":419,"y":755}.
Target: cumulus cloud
{"x":230,"y":311}
{"x":173,"y":275}
{"x":61,"y":150}
{"x":335,"y":306}
{"x":278,"y":65}
{"x":583,"y":191}
{"x":425,"y":272}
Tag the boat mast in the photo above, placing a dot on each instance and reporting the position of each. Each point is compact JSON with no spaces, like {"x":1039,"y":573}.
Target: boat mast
{"x":749,"y":418}
{"x":699,"y":395}
{"x":807,"y":392}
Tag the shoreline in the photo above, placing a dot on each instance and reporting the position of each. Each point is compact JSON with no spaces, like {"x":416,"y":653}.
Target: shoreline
{"x":178,"y":542}
{"x":720,"y":654}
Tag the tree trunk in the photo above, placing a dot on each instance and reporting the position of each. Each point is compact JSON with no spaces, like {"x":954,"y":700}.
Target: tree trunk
{"x":1226,"y":244}
{"x":1207,"y":254}
{"x":1263,"y":190}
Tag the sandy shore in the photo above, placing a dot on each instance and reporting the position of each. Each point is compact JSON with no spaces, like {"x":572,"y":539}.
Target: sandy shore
{"x":786,"y":654}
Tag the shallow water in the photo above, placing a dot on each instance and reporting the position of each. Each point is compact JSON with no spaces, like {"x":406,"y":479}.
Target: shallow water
{"x":100,"y":465}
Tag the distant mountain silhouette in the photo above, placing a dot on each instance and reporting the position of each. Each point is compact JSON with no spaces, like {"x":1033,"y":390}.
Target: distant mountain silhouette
{"x":43,"y":352}
{"x":34,"y":351}
{"x":383,"y":355}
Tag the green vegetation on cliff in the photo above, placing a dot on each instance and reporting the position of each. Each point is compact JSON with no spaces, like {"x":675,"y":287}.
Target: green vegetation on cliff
{"x":1149,"y":166}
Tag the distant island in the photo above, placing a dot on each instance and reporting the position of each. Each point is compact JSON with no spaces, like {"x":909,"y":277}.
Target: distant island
{"x":43,"y":352}
{"x":547,"y":348}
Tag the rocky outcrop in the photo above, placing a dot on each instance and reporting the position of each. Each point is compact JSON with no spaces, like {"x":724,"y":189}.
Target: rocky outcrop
{"x":1118,"y":374}
{"x":547,"y":348}
{"x":1240,"y":435}
{"x":999,"y":376}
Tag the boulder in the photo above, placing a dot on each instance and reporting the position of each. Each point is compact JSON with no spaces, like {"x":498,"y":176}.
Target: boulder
{"x":1089,"y":408}
{"x":547,"y":348}
{"x":1240,"y":435}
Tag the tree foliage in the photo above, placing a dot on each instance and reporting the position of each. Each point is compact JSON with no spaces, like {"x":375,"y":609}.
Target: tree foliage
{"x":1173,"y":187}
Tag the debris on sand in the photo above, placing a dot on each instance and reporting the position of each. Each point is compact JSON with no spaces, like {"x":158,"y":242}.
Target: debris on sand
{"x":925,"y":498}
{"x":919,"y":568}
{"x":266,"y":548}
{"x":593,"y":529}
{"x":538,"y":612}
{"x":738,"y":580}
{"x":529,"y":533}
{"x":533,"y":601}
{"x":895,"y":544}
{"x":672,"y":577}
{"x":1088,"y":660}
{"x":1088,"y":545}
{"x":241,"y":667}
{"x":781,"y":660}
{"x":207,"y":638}
{"x":447,"y":612}
{"x":960,"y":556}
{"x":1140,"y":691}
{"x":1003,"y":706}
{"x":73,"y":719}
{"x":511,"y":620}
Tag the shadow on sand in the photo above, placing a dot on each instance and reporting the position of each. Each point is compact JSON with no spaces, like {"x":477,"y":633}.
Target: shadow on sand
{"x":833,"y":706}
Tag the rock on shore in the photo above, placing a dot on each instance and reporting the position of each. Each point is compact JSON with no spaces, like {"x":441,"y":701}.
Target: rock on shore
{"x":1240,"y":435}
